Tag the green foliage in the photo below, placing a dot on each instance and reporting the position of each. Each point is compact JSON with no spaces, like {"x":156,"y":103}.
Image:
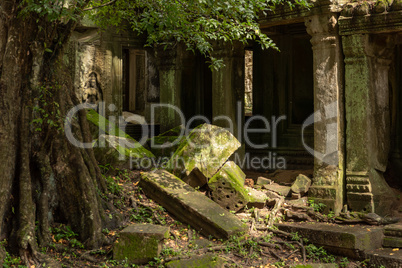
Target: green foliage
{"x":319,"y":253}
{"x":46,"y":111}
{"x":196,"y":23}
{"x":318,"y":207}
{"x":65,"y":233}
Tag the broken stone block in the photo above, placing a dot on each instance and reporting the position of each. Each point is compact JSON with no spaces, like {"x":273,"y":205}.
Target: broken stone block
{"x":190,"y":206}
{"x":279,"y":189}
{"x":207,"y":261}
{"x":140,"y":243}
{"x":100,"y":125}
{"x":227,"y":187}
{"x":301,"y":202}
{"x":262,"y":181}
{"x":113,"y":149}
{"x":301,"y":185}
{"x":165,"y":144}
{"x":115,"y":146}
{"x":207,"y":148}
{"x":257,"y":198}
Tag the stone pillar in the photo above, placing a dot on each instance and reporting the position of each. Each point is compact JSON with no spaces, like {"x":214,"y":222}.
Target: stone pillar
{"x":170,"y":78}
{"x":328,"y":118}
{"x":367,"y":60}
{"x":228,"y":91}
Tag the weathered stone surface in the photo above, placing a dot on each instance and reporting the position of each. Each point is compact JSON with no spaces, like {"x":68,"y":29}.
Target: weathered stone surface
{"x":196,"y":178}
{"x":189,"y":205}
{"x":282,"y":190}
{"x":207,"y":148}
{"x":350,"y":241}
{"x":262,"y":181}
{"x":120,"y":146}
{"x":117,"y":146}
{"x":393,"y":230}
{"x":384,"y":256}
{"x":257,"y":199}
{"x":140,"y":243}
{"x":204,"y":261}
{"x":227,"y":187}
{"x":165,"y":144}
{"x":301,"y":185}
{"x":392,"y":242}
{"x":301,"y":202}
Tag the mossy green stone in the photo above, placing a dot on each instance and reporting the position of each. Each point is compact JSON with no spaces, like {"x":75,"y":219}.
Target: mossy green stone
{"x":227,"y":187}
{"x":117,"y":139}
{"x":205,"y":261}
{"x":140,"y":243}
{"x":190,"y":206}
{"x":207,"y":147}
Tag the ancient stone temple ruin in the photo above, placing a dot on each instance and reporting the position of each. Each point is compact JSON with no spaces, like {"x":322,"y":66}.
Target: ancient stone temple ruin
{"x":332,"y":92}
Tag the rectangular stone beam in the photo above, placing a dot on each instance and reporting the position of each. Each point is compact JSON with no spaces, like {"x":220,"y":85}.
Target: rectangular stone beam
{"x":350,"y":241}
{"x":190,"y":206}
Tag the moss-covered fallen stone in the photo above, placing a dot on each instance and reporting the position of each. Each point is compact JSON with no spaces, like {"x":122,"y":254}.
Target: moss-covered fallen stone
{"x":165,"y":144}
{"x":205,"y":261}
{"x":117,"y":146}
{"x":190,"y":206}
{"x":140,"y":243}
{"x":207,"y":148}
{"x":227,"y":187}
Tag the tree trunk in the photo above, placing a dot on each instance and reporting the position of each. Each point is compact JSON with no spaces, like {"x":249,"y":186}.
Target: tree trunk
{"x":40,"y":171}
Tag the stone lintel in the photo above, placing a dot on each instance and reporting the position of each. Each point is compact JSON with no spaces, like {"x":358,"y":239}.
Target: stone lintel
{"x":286,"y":15}
{"x":190,"y":206}
{"x":349,"y":241}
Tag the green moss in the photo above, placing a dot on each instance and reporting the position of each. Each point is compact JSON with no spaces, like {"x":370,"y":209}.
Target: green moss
{"x":137,"y":151}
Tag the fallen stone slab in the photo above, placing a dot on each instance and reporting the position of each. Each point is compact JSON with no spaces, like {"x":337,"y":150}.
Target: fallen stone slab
{"x":140,"y":243}
{"x":384,"y":257}
{"x":350,"y":241}
{"x":189,"y":205}
{"x":165,"y":144}
{"x":207,"y":261}
{"x":113,"y":149}
{"x":262,"y":181}
{"x":279,"y":189}
{"x":301,"y":185}
{"x":207,"y":147}
{"x":114,"y":145}
{"x":227,"y":187}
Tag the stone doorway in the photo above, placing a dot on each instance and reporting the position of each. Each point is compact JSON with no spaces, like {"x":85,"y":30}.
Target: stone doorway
{"x":283,"y":91}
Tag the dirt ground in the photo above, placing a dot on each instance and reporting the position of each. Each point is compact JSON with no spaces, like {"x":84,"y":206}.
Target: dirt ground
{"x":259,"y":248}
